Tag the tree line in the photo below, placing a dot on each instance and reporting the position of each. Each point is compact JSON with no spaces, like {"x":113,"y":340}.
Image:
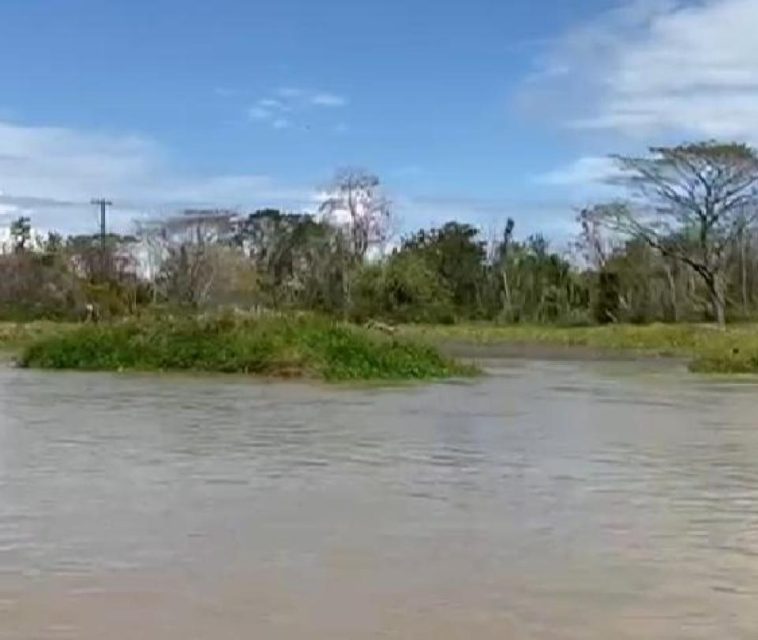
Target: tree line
{"x":677,"y":245}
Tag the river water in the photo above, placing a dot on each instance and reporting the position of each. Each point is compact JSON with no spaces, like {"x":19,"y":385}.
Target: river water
{"x":549,"y":500}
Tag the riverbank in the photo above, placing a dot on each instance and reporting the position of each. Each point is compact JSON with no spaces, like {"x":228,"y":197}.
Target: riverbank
{"x":336,"y":351}
{"x":276,"y":346}
{"x":706,"y":348}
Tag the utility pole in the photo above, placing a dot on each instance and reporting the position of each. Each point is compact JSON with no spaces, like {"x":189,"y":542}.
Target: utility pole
{"x":103,"y":204}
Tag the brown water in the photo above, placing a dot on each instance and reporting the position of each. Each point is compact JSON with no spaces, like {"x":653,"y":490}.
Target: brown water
{"x":561,"y":500}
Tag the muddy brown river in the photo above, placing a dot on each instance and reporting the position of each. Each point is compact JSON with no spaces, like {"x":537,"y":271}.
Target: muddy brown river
{"x":547,"y":501}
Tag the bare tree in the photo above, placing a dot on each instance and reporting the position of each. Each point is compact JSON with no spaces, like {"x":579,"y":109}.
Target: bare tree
{"x":593,"y":243}
{"x":198,"y":258}
{"x":188,"y":273}
{"x":357,"y":205}
{"x":357,"y":195}
{"x":187,"y":249}
{"x":500,"y":255}
{"x":692,"y":203}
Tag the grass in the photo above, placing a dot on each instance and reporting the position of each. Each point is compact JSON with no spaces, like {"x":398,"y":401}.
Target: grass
{"x":708,"y":349}
{"x":286,"y":346}
{"x":14,"y":336}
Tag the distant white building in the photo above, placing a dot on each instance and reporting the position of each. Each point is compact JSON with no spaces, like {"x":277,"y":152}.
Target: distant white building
{"x":6,"y":241}
{"x":8,"y":245}
{"x":141,"y":258}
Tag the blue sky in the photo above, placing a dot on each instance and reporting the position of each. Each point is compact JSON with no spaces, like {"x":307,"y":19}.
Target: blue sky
{"x":477,"y":110}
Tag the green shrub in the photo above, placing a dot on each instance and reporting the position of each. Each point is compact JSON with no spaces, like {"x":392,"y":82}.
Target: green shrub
{"x":405,"y":289}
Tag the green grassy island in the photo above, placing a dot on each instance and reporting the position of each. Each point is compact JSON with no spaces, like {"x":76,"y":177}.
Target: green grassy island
{"x":278,"y":346}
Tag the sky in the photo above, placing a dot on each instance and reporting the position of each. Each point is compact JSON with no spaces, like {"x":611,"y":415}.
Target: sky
{"x":478,"y":110}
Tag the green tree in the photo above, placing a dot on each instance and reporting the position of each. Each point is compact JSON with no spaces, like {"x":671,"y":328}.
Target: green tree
{"x":299,"y":258}
{"x":405,"y":289}
{"x":21,"y":233}
{"x":544,"y":286}
{"x":457,"y":255}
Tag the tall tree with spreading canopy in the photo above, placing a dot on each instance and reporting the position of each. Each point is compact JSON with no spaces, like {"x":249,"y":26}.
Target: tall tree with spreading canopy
{"x":691,"y":203}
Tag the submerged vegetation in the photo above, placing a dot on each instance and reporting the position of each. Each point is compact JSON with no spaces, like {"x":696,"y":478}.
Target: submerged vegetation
{"x":279,"y":346}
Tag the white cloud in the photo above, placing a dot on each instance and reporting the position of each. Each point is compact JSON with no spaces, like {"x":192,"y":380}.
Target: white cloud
{"x":258,"y":112}
{"x":552,"y":216}
{"x":289,"y":92}
{"x":52,"y":173}
{"x":292,"y":105}
{"x":8,"y":210}
{"x":323,"y":99}
{"x":582,"y":181}
{"x":270,"y":103}
{"x":659,"y":67}
{"x":583,"y":171}
{"x":64,"y":163}
{"x":272,"y":111}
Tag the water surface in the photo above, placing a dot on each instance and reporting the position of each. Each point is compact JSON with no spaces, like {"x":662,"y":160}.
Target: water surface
{"x":563,"y":500}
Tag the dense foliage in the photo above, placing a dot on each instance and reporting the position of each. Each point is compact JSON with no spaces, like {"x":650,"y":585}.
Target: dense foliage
{"x":681,"y":248}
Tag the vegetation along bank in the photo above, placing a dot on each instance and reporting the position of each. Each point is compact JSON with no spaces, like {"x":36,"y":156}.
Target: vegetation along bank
{"x":318,"y":347}
{"x":706,"y":348}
